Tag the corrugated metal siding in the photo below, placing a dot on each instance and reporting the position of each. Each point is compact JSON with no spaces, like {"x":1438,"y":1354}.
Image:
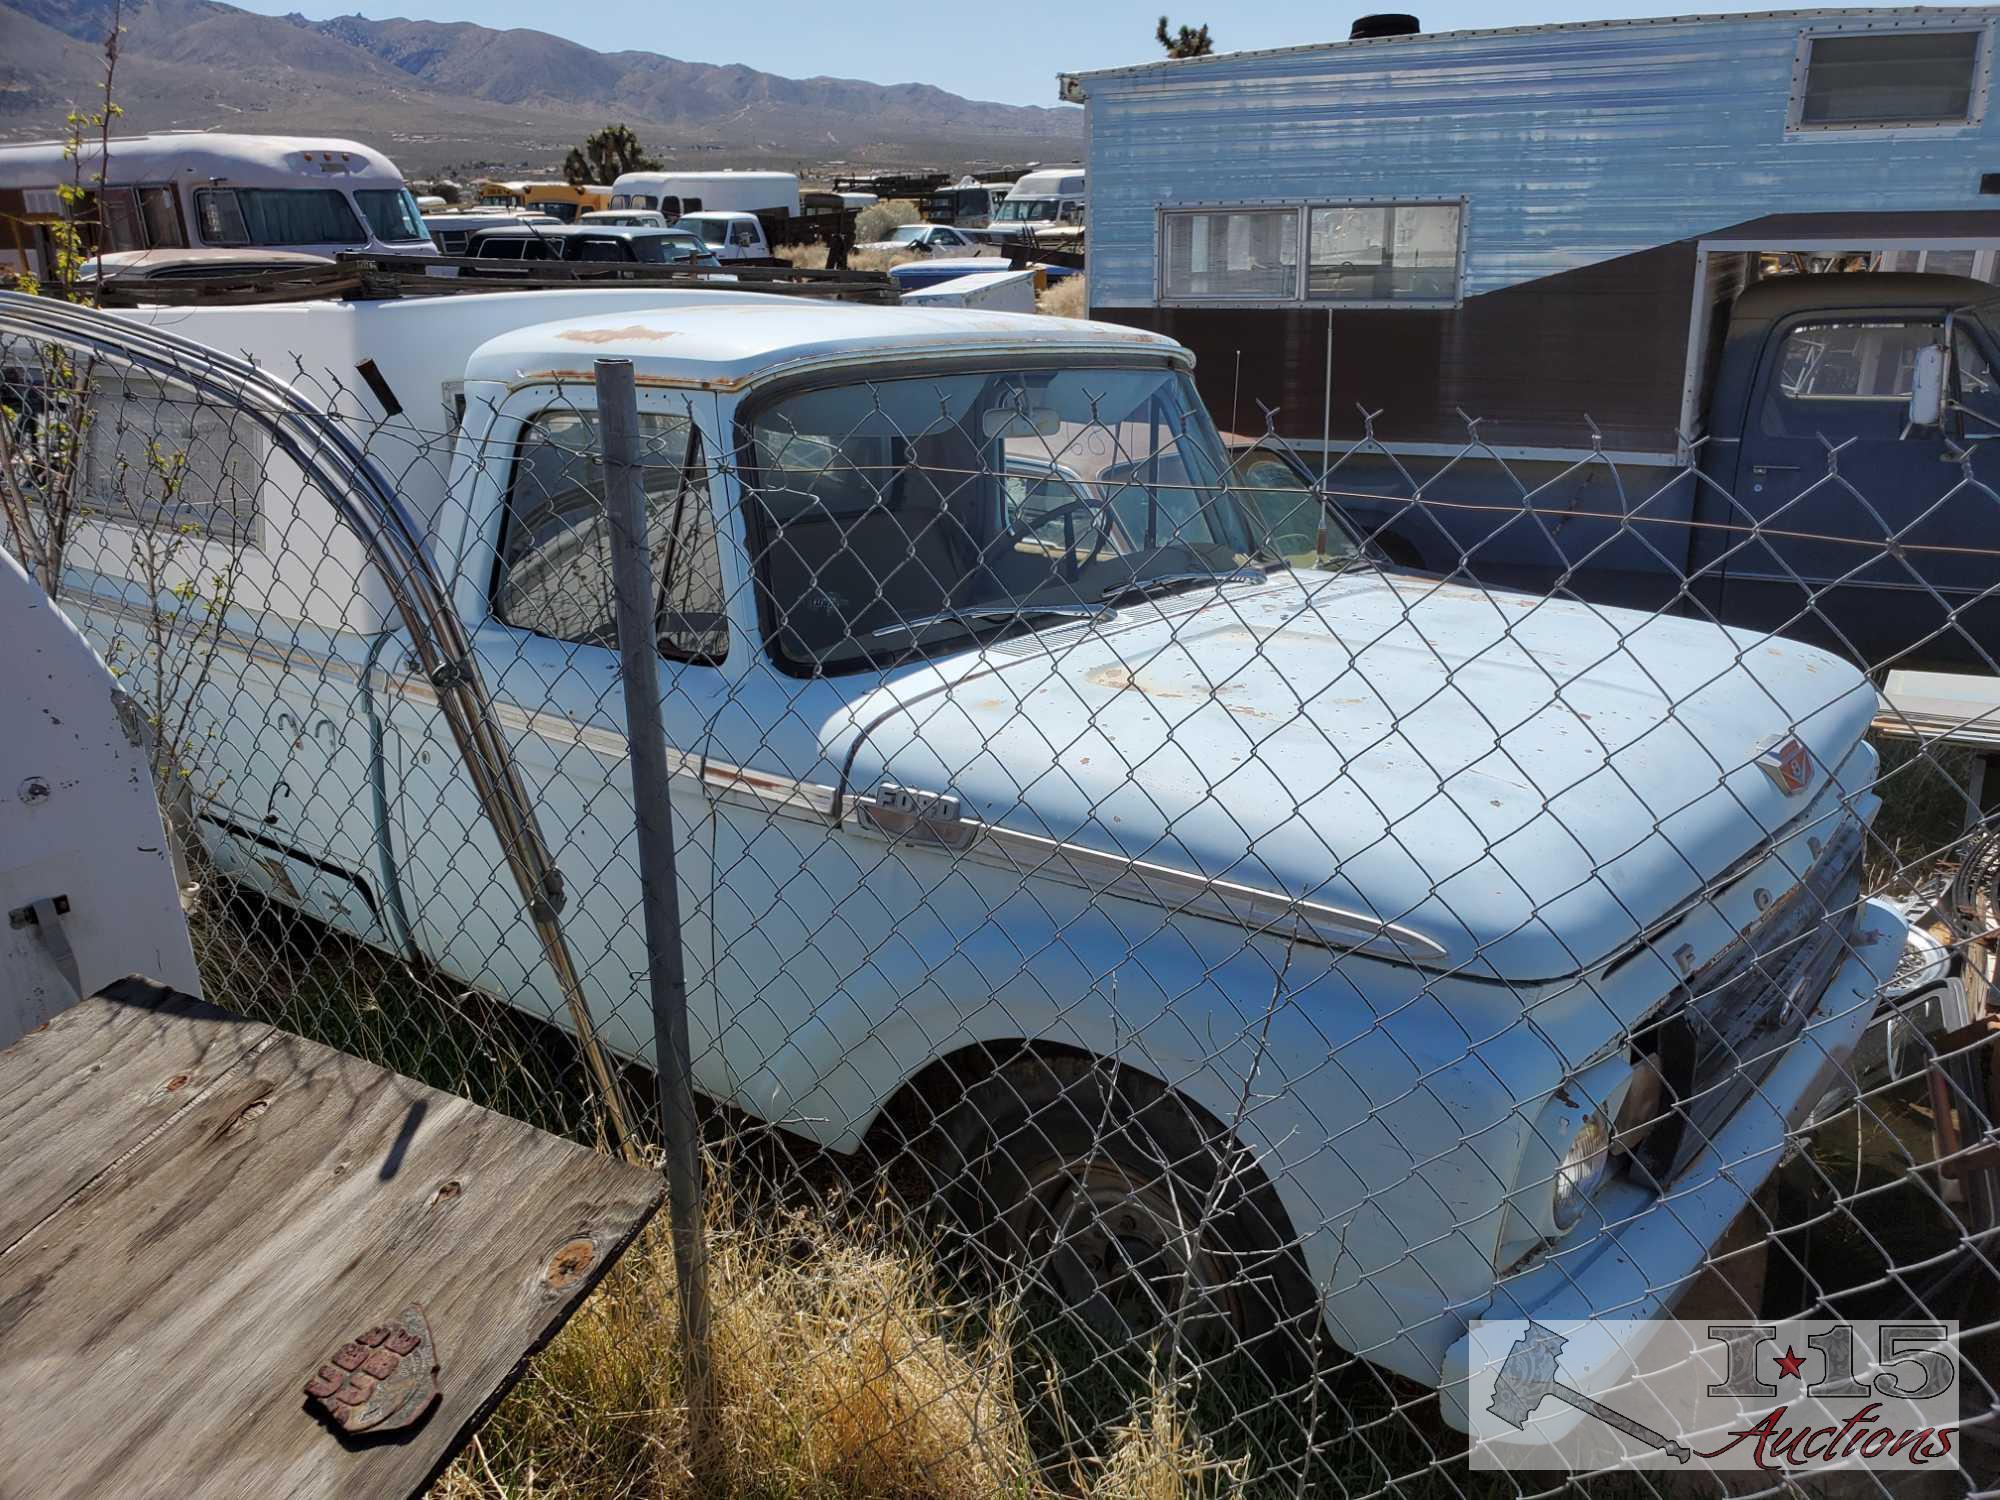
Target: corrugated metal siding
{"x":1572,"y":146}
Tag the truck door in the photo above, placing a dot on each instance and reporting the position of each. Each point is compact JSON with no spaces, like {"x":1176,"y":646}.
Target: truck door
{"x":547,"y":648}
{"x":1864,"y":550}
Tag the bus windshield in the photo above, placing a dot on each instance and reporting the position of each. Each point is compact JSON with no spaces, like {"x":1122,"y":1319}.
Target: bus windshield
{"x":1019,"y":210}
{"x":392,"y":214}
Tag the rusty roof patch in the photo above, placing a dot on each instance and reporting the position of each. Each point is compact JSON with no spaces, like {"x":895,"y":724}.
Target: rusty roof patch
{"x":614,"y":335}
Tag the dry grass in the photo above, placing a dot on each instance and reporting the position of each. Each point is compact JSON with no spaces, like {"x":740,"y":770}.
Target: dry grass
{"x":813,"y":257}
{"x":1065,"y":297}
{"x":841,"y":1373}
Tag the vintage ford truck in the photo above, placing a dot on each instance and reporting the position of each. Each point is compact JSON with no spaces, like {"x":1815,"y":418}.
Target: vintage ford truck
{"x":1438,"y":952}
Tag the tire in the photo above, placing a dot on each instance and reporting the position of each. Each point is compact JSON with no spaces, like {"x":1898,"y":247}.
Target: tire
{"x":1099,"y":1186}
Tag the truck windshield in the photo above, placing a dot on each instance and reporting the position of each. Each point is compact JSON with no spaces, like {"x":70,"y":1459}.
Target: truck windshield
{"x":714,"y":231}
{"x":1019,"y":210}
{"x":902,"y":515}
{"x":667,"y":249}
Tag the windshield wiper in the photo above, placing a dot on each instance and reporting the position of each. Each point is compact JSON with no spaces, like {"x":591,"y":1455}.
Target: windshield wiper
{"x":1142,"y":587}
{"x":992,"y":612}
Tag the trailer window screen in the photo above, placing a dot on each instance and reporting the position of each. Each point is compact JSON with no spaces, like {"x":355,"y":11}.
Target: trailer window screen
{"x":555,"y":568}
{"x":1225,"y":254}
{"x":1383,"y":252}
{"x":159,"y":458}
{"x":1890,"y":78}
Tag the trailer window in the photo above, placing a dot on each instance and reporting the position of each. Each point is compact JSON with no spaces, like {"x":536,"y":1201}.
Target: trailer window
{"x":1384,"y":253}
{"x":1887,"y":78}
{"x":555,"y":567}
{"x":277,"y":216}
{"x":1226,"y":254}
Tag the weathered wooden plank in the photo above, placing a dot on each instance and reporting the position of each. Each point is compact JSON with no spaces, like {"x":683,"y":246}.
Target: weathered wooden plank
{"x":95,"y":1082}
{"x":160,"y":1325}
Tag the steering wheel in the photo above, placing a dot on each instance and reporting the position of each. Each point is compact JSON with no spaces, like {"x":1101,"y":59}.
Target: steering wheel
{"x":1063,"y":512}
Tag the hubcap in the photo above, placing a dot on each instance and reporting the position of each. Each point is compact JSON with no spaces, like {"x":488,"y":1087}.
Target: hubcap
{"x":1122,"y":1253}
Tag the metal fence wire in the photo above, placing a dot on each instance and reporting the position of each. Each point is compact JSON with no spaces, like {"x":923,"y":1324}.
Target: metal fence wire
{"x":1224,"y":957}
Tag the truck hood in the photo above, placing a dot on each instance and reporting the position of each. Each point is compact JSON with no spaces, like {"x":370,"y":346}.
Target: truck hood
{"x":1529,"y":783}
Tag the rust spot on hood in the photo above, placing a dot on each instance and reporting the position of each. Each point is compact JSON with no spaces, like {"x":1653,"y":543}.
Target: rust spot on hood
{"x":613,"y":335}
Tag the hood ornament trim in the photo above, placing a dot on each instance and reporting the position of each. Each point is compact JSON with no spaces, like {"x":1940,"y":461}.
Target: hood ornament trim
{"x":1788,"y":763}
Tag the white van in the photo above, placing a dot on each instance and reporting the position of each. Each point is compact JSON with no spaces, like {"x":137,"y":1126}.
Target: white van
{"x":677,"y":193}
{"x":194,"y":189}
{"x":1043,"y":205}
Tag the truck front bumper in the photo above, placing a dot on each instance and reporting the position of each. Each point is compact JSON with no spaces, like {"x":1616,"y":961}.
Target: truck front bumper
{"x":1636,"y":1265}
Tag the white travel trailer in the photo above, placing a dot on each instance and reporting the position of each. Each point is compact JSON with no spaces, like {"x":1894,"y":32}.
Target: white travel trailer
{"x":677,"y":193}
{"x":189,"y":188}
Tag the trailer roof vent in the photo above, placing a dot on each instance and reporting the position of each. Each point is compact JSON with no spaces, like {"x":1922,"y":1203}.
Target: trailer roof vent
{"x":1389,"y":23}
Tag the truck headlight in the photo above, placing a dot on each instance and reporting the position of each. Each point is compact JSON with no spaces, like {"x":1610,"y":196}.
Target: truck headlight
{"x":1582,"y":1169}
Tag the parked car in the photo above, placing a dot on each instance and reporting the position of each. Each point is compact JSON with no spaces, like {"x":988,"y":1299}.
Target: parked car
{"x":654,"y":247}
{"x":1561,"y":901}
{"x":731,"y":236}
{"x":928,"y":239}
{"x":453,"y":232}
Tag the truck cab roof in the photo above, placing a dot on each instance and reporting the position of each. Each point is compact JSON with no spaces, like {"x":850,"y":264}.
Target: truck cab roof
{"x":726,"y":340}
{"x":1780,"y":297}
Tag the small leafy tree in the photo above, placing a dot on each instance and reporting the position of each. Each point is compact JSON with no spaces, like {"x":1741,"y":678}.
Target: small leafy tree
{"x":604,"y":154}
{"x":1187,"y":42}
{"x":44,"y":411}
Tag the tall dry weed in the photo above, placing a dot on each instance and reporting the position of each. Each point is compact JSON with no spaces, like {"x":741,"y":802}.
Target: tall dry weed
{"x":841,"y":1372}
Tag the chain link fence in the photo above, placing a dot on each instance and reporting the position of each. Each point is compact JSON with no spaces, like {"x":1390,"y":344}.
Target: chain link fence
{"x":1177,"y":958}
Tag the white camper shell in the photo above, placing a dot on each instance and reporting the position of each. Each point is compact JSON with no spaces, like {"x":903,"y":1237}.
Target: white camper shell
{"x":192,"y":189}
{"x":677,"y":193}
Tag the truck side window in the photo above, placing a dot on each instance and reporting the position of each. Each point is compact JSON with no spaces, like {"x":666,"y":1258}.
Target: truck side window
{"x":1977,"y":384}
{"x":157,"y":456}
{"x":555,"y":548}
{"x":1844,"y":379}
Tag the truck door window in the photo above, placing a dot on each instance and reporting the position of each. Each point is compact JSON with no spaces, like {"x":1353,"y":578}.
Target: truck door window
{"x":1844,"y":379}
{"x":1282,"y":501}
{"x":555,"y":550}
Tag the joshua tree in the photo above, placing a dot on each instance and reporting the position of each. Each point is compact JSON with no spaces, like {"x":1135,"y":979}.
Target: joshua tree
{"x":604,"y":155}
{"x":1187,"y":42}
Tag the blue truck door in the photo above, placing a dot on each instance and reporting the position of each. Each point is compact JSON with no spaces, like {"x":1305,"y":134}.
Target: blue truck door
{"x":1810,"y":554}
{"x":547,"y":652}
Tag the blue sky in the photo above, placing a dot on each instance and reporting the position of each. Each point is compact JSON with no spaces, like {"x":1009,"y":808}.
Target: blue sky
{"x":1009,"y":51}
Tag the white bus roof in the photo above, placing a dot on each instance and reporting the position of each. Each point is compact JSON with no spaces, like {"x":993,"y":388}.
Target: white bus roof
{"x":201,"y":154}
{"x":641,"y":179}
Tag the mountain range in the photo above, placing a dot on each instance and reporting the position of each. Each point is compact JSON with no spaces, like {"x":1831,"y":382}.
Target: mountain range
{"x":444,"y":95}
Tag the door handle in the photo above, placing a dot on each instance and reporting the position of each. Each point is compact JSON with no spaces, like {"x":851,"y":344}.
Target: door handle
{"x":1774,"y":468}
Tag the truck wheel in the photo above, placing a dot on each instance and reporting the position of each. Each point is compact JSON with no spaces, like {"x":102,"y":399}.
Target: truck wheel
{"x":1093,"y":1181}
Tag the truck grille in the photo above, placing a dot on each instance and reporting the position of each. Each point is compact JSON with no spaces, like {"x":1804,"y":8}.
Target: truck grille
{"x":1738,"y":1015}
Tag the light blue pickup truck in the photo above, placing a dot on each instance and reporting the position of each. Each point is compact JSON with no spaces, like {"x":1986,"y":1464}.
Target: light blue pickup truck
{"x":1433,"y":952}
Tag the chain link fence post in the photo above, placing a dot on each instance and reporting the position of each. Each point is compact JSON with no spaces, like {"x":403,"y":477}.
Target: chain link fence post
{"x":638,"y":664}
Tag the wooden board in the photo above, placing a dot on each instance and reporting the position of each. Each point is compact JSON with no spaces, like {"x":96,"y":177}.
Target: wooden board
{"x":179,"y":1267}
